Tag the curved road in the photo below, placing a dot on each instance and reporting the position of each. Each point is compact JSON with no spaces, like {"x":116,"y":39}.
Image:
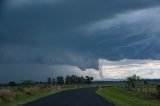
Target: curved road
{"x":77,"y":97}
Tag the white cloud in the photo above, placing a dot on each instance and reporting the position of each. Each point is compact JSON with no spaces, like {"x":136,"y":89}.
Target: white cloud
{"x":124,"y":68}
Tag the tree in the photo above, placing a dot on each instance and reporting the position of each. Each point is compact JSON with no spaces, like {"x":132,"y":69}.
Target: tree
{"x":49,"y":80}
{"x":73,"y":79}
{"x":12,"y":83}
{"x":68,"y":80}
{"x":132,"y":82}
{"x":53,"y":81}
{"x":82,"y":80}
{"x":88,"y":80}
{"x":60,"y":80}
{"x":78,"y":80}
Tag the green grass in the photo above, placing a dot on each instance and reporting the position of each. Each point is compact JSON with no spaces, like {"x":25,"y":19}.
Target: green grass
{"x":25,"y":99}
{"x":120,"y":97}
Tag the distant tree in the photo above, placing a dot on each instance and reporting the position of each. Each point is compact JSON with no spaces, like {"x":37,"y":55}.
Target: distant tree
{"x":82,"y":80}
{"x":12,"y":83}
{"x":53,"y":81}
{"x":88,"y":80}
{"x":49,"y":80}
{"x":132,"y":81}
{"x":68,"y":80}
{"x":73,"y":79}
{"x":60,"y":80}
{"x":78,"y":80}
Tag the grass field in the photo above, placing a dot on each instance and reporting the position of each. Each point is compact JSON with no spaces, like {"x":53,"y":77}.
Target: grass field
{"x":120,"y":97}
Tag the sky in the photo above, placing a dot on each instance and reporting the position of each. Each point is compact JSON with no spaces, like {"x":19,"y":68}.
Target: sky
{"x":106,"y":39}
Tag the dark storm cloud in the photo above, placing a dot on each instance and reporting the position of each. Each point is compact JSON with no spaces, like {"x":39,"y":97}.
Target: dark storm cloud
{"x":51,"y":32}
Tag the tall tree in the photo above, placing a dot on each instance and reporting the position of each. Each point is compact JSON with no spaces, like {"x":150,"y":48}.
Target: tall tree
{"x":60,"y":80}
{"x":53,"y":81}
{"x":88,"y":80}
{"x":49,"y":80}
{"x":68,"y":80}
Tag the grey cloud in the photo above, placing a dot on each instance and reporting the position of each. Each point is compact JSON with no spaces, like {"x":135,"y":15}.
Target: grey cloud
{"x":50,"y":33}
{"x":39,"y":72}
{"x":131,"y":34}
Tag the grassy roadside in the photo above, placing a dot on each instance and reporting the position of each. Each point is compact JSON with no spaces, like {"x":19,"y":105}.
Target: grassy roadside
{"x":25,"y":99}
{"x":120,"y":97}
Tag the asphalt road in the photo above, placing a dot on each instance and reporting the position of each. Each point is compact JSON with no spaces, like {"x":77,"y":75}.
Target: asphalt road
{"x":77,"y":97}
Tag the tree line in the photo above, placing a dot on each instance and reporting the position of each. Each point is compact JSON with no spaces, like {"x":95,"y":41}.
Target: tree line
{"x":59,"y":80}
{"x":68,"y":80}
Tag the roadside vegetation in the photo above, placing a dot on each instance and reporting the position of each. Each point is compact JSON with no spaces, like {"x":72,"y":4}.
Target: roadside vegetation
{"x":28,"y":90}
{"x":18,"y":96}
{"x":134,"y":92}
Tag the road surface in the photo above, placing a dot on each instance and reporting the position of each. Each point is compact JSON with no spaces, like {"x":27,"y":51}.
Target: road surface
{"x":77,"y":97}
